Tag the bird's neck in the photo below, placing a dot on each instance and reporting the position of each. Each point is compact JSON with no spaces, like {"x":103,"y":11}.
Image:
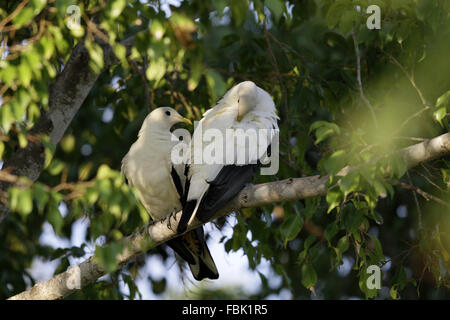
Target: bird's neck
{"x":156,"y":138}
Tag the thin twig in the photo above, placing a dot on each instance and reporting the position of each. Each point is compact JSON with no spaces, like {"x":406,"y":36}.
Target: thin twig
{"x":92,"y":27}
{"x":13,"y":14}
{"x":419,"y":211}
{"x":424,"y":194}
{"x":274,"y":63}
{"x":429,"y":180}
{"x":358,"y":78}
{"x":411,"y":79}
{"x":19,"y":47}
{"x":410,"y":138}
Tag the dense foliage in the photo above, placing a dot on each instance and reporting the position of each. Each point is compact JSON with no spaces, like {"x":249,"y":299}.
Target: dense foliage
{"x":346,"y":95}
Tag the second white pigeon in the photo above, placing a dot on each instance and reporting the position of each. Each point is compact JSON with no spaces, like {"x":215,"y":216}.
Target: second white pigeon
{"x":211,"y":185}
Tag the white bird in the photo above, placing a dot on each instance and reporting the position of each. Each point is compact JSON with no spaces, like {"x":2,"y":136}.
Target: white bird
{"x":160,"y":185}
{"x":245,"y":106}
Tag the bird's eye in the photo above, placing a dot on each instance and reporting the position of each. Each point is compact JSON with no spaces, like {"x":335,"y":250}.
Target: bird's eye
{"x":168,"y":113}
{"x":238,"y":100}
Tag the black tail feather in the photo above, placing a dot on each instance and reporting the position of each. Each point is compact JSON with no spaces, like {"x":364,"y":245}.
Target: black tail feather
{"x":188,"y":209}
{"x":192,"y":248}
{"x":179,"y":247}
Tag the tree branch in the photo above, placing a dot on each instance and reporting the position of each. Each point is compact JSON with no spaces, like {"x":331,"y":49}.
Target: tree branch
{"x":66,"y":95}
{"x":157,"y":233}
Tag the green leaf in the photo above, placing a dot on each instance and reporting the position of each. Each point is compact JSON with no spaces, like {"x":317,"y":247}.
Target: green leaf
{"x":106,"y":256}
{"x":291,"y":227}
{"x":21,"y":200}
{"x":156,"y":69}
{"x":333,"y":198}
{"x":7,"y":118}
{"x":68,"y":143}
{"x":348,"y":20}
{"x":216,"y":85}
{"x":335,"y":162}
{"x":400,"y":279}
{"x":309,"y":241}
{"x":276,"y":7}
{"x":55,"y":167}
{"x":105,"y":172}
{"x":398,"y":165}
{"x":183,"y":22}
{"x":54,"y":217}
{"x":309,"y":276}
{"x":47,"y":46}
{"x":331,"y":230}
{"x":96,"y":53}
{"x":9,"y":73}
{"x":351,"y":218}
{"x":157,"y":29}
{"x":335,"y":12}
{"x":25,"y":15}
{"x":40,"y":195}
{"x":343,"y":244}
{"x":22,"y":140}
{"x":24,"y":74}
{"x":440,"y":114}
{"x":115,"y":7}
{"x":196,"y":74}
{"x":349,"y":183}
{"x":444,"y":100}
{"x":2,"y":149}
{"x":120,"y":52}
{"x":378,"y":249}
{"x":377,"y":217}
{"x":379,"y":187}
{"x":38,"y":5}
{"x":239,"y":9}
{"x":302,"y":255}
{"x":394,"y":292}
{"x":323,"y":130}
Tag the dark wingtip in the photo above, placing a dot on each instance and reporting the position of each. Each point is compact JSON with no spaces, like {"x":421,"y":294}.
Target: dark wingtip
{"x":186,"y":215}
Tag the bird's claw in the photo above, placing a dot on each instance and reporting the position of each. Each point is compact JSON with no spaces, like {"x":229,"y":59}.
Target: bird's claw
{"x":169,"y":224}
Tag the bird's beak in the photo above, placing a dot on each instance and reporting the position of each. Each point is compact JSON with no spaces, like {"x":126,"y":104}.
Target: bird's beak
{"x":185,"y":120}
{"x":239,"y":117}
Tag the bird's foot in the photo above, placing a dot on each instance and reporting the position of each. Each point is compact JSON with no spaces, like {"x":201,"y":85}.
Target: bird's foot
{"x":169,"y":224}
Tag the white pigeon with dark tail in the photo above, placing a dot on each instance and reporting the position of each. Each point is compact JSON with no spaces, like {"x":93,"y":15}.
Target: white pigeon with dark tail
{"x":211,"y":185}
{"x":160,"y":185}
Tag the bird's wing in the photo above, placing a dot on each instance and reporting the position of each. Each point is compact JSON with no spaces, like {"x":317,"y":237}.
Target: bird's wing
{"x":211,"y":186}
{"x":123,"y":170}
{"x":191,"y":246}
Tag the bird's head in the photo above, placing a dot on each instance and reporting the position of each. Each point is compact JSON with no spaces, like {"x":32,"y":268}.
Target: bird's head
{"x":165,"y":118}
{"x":161,"y":120}
{"x":247,"y":98}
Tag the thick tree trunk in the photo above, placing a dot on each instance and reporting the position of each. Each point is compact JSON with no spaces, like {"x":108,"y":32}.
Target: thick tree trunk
{"x":66,"y":96}
{"x":157,"y":233}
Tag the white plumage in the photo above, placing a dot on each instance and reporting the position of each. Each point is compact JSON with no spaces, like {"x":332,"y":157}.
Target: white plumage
{"x":147,"y":165}
{"x":160,"y":185}
{"x":245,"y":106}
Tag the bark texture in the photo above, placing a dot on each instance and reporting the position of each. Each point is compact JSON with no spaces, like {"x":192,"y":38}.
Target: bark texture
{"x":157,"y":233}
